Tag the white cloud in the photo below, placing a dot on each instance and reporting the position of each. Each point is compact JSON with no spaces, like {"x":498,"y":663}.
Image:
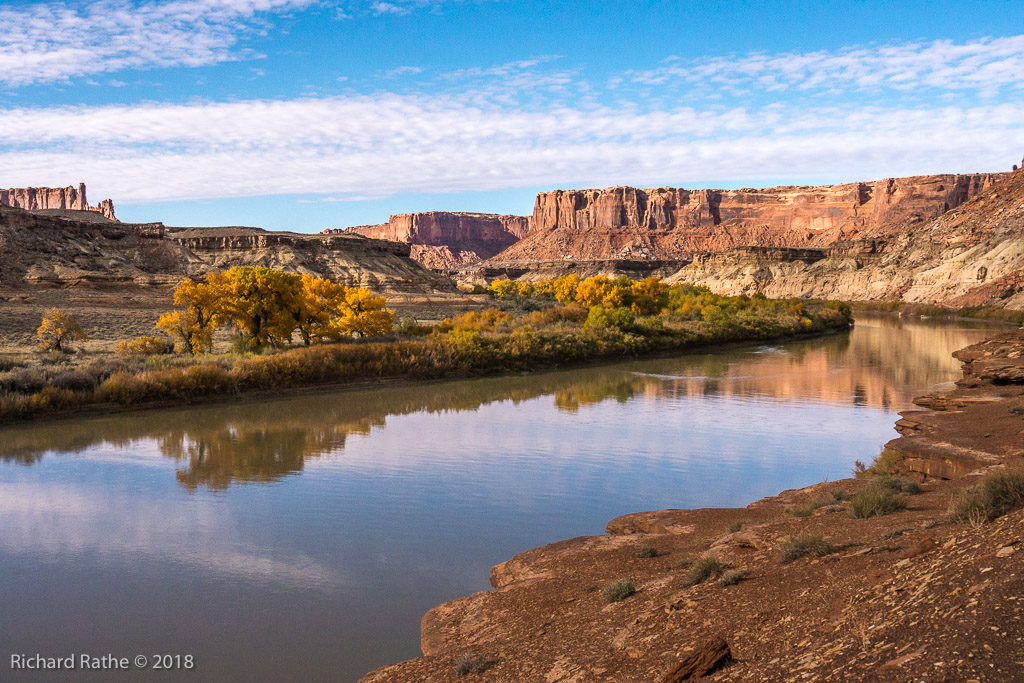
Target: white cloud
{"x":388,"y":8}
{"x":403,"y":71}
{"x":53,"y":41}
{"x":987,"y":65}
{"x":384,"y":144}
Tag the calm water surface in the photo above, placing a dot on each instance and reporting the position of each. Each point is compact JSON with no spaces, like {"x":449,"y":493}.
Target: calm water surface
{"x":304,"y":538}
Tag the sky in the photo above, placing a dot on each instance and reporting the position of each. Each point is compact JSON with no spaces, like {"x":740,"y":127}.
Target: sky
{"x":313,"y":114}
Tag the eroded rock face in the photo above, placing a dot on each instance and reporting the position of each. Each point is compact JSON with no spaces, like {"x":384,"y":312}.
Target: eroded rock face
{"x":445,"y":239}
{"x":47,"y":251}
{"x":671,"y":223}
{"x":971,"y":255}
{"x":54,"y":198}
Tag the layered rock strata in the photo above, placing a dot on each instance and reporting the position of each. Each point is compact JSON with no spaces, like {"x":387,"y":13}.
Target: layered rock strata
{"x":41,"y":250}
{"x":54,"y":199}
{"x":971,"y":255}
{"x":671,"y":223}
{"x":444,"y":240}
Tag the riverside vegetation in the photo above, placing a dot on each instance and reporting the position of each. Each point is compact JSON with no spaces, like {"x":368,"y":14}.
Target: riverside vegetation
{"x":348,"y":335}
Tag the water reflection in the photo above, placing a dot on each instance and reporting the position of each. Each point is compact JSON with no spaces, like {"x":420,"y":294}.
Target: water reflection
{"x":304,"y":538}
{"x":882,"y":364}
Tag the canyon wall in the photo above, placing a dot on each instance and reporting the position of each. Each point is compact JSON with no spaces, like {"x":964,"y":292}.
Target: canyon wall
{"x":971,"y":255}
{"x":43,"y":250}
{"x":671,"y":223}
{"x":445,"y":239}
{"x":54,"y":199}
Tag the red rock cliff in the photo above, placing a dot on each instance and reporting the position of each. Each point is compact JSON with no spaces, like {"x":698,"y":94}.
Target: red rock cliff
{"x":54,"y":198}
{"x":666,"y":223}
{"x":445,"y":239}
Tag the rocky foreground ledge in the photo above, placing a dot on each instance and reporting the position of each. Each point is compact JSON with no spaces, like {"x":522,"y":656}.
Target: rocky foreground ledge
{"x":909,"y":596}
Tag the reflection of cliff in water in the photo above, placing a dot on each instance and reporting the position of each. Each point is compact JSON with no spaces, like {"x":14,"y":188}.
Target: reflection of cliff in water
{"x":881,"y":364}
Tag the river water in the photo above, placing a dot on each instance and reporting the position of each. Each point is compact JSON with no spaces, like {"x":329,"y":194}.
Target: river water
{"x":304,"y":538}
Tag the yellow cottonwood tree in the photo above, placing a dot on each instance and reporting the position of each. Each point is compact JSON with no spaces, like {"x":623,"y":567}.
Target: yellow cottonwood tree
{"x":565,"y":288}
{"x":261,"y":303}
{"x":193,"y":328}
{"x":58,"y":329}
{"x":364,"y":314}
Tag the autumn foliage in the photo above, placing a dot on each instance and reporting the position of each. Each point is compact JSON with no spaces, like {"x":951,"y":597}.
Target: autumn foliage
{"x":269,"y":307}
{"x":58,"y":330}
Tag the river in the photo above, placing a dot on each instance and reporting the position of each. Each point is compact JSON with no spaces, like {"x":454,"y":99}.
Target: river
{"x":304,"y":538}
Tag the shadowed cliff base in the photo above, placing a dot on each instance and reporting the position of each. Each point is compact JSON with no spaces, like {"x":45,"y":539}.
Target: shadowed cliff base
{"x":803,"y":585}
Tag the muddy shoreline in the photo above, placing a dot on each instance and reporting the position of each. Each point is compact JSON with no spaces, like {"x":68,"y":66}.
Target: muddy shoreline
{"x":910,"y":595}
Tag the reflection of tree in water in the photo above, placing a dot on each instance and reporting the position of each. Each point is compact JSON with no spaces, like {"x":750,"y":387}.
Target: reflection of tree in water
{"x":621,"y":388}
{"x":219,"y":444}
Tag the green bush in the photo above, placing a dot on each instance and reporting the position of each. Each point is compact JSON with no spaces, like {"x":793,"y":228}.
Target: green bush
{"x":644,"y":551}
{"x":602,"y":317}
{"x":795,"y":547}
{"x":703,"y":568}
{"x":998,"y":493}
{"x":876,"y":501}
{"x":619,"y":591}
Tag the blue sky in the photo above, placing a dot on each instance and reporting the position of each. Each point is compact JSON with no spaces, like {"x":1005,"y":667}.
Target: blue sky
{"x":307,"y":114}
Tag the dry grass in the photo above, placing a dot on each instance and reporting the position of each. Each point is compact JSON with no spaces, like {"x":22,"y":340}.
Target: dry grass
{"x":998,"y":493}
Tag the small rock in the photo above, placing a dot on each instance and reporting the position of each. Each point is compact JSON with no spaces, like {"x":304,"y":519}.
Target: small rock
{"x":1006,"y":551}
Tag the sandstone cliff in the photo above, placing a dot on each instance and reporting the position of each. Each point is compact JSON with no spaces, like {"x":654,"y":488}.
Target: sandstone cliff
{"x":445,"y":240}
{"x":670,"y":223}
{"x":54,"y":199}
{"x":971,"y":255}
{"x":42,"y":250}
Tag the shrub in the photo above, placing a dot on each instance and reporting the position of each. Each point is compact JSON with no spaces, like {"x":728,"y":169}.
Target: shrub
{"x":840,"y":496}
{"x":619,"y":591}
{"x":704,"y":568}
{"x":472,"y":663}
{"x":735,"y":526}
{"x":885,"y":494}
{"x":732,"y":577}
{"x":896,"y":484}
{"x":75,"y":380}
{"x":998,"y":493}
{"x":24,"y":381}
{"x":143,"y":346}
{"x":644,"y":551}
{"x":885,"y":463}
{"x":602,"y":317}
{"x":410,"y":327}
{"x":795,"y":547}
{"x":121,"y":387}
{"x":52,"y":398}
{"x":876,"y":501}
